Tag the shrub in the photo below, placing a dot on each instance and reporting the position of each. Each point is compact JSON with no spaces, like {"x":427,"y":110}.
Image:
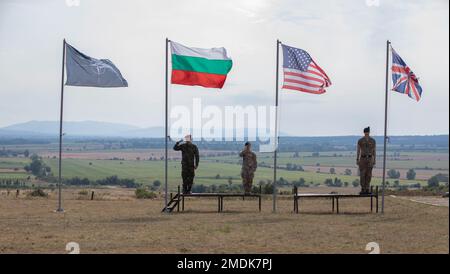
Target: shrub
{"x":156,"y":183}
{"x":37,"y":193}
{"x":433,"y":182}
{"x":83,"y":192}
{"x":142,"y":193}
{"x":199,"y":188}
{"x":267,"y":189}
{"x":300,"y":183}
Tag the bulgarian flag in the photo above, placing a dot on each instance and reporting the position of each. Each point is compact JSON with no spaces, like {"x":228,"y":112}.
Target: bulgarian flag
{"x":199,"y":67}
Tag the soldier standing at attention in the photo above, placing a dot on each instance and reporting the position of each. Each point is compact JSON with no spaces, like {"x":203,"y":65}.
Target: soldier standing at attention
{"x":249,"y":165}
{"x":366,"y":159}
{"x":189,"y":162}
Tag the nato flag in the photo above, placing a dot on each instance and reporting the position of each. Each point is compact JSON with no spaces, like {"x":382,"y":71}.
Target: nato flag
{"x":86,"y":71}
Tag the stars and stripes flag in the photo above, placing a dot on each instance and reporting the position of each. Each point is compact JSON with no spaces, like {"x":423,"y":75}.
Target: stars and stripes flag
{"x":301,"y":73}
{"x":404,"y":80}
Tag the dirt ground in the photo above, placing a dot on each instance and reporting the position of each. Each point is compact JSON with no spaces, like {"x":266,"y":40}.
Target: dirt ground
{"x":116,"y":222}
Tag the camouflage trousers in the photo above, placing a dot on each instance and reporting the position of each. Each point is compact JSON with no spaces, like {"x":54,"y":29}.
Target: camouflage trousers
{"x":365,"y":173}
{"x":247,"y":180}
{"x":188,"y":175}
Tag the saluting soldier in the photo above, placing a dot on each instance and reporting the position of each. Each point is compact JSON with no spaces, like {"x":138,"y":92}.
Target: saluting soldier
{"x":189,"y":162}
{"x":366,"y":159}
{"x":249,"y":166}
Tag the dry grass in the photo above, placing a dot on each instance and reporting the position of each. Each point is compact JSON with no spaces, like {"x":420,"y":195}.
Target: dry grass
{"x":115,"y":222}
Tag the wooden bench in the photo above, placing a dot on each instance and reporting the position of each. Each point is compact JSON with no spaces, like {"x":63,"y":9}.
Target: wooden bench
{"x":179,"y":198}
{"x":335,"y":198}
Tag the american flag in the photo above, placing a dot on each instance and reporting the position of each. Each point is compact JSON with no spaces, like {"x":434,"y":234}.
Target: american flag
{"x":405,"y":81}
{"x":302,"y":73}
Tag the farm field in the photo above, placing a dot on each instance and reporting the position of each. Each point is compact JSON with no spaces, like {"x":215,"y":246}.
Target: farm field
{"x":148,"y":171}
{"x":217,"y":170}
{"x":116,"y":222}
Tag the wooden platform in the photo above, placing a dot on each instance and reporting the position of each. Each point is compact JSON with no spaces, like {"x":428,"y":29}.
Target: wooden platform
{"x":335,"y":198}
{"x":179,"y":199}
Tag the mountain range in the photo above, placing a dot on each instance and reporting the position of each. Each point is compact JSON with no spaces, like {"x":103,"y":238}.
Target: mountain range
{"x":79,"y":129}
{"x":39,"y":129}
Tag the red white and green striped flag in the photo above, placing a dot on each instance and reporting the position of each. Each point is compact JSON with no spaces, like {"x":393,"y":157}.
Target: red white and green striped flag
{"x":199,"y":67}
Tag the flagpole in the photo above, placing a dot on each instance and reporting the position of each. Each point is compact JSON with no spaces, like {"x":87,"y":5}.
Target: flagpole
{"x":166,"y":187}
{"x":388,"y":43}
{"x":60,"y":209}
{"x":274,"y":209}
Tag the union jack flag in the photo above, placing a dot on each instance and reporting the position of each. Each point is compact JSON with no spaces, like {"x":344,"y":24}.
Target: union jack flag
{"x":405,"y":81}
{"x":301,"y":73}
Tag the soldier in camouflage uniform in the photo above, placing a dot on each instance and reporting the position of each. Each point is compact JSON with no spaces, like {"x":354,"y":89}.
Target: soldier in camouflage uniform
{"x":249,"y":165}
{"x":189,"y":162}
{"x":366,"y":159}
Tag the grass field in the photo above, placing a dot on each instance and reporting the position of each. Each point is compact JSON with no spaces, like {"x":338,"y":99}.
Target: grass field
{"x":116,"y":222}
{"x":96,"y":164}
{"x":148,"y":171}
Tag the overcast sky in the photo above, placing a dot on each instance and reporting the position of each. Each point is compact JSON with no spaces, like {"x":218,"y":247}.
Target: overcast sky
{"x":346,"y":38}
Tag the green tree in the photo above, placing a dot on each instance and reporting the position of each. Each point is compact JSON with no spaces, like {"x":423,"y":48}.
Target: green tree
{"x":433,"y":182}
{"x":156,"y":183}
{"x":37,"y":167}
{"x":411,"y":174}
{"x":393,"y":174}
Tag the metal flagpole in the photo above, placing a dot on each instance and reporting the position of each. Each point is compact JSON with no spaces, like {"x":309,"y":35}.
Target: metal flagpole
{"x":388,"y":43}
{"x":167,"y":125}
{"x":276,"y":135}
{"x":60,"y":209}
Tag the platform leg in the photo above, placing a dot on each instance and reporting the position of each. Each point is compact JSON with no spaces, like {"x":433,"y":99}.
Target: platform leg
{"x":332,"y":201}
{"x":377,"y":204}
{"x":371,"y":203}
{"x":376,"y":193}
{"x":182,"y":203}
{"x":295,"y":204}
{"x":178,"y":197}
{"x":259,"y":203}
{"x":337,"y":205}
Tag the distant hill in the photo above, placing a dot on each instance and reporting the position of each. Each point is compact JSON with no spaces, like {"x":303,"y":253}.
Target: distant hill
{"x":37,"y":129}
{"x":79,"y":129}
